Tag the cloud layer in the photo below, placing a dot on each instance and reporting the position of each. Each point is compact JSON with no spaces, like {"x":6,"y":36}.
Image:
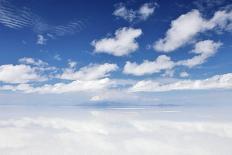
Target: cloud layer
{"x":100,"y":131}
{"x":216,"y":82}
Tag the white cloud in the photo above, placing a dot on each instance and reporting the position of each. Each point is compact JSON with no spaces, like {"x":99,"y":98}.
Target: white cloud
{"x":168,"y":73}
{"x":114,"y":132}
{"x":162,"y":62}
{"x":180,"y":32}
{"x":57,"y":57}
{"x":145,"y":11}
{"x":72,"y":64}
{"x":216,"y":82}
{"x":122,"y":44}
{"x":19,"y":74}
{"x":184,"y":74}
{"x":204,"y":49}
{"x":41,"y":40}
{"x":17,"y":17}
{"x":74,"y":86}
{"x":90,"y":72}
{"x":32,"y":61}
{"x":124,"y":13}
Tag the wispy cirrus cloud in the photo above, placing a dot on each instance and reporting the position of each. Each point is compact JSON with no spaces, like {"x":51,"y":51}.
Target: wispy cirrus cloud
{"x":23,"y":17}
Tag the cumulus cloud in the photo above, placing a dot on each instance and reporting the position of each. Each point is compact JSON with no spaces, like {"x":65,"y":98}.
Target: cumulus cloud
{"x":162,"y":62}
{"x":180,"y":32}
{"x":123,"y":43}
{"x":19,"y":74}
{"x":145,"y":11}
{"x":216,"y":82}
{"x":204,"y":49}
{"x":90,"y":72}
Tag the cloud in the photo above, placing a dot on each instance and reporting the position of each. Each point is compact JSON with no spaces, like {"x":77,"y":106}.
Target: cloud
{"x":123,"y":43}
{"x":113,"y":132}
{"x":14,"y":18}
{"x":57,"y":57}
{"x":90,"y":72}
{"x":184,"y":74}
{"x":37,"y":64}
{"x":19,"y":74}
{"x":162,"y":62}
{"x":41,"y":40}
{"x":74,"y":86}
{"x":216,"y":82}
{"x":204,"y":49}
{"x":22,"y":17}
{"x":72,"y":64}
{"x":124,"y":13}
{"x":145,"y":11}
{"x":180,"y":34}
{"x":32,"y":61}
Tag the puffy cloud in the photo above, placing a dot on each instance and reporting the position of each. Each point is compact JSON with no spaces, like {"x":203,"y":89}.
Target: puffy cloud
{"x":180,"y":32}
{"x":149,"y":67}
{"x":216,"y":82}
{"x":41,"y":40}
{"x":204,"y":49}
{"x":122,"y":44}
{"x":124,"y":13}
{"x":19,"y":74}
{"x":90,"y":72}
{"x":145,"y":11}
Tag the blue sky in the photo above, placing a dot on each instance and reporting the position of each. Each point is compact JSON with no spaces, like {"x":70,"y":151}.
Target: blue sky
{"x":115,"y":52}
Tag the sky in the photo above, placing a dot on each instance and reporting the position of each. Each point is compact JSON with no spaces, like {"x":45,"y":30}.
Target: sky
{"x":115,"y":52}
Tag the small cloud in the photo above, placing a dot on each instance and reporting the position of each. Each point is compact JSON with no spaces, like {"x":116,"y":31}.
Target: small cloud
{"x":41,"y":40}
{"x":184,"y":74}
{"x":130,"y":15}
{"x":57,"y":57}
